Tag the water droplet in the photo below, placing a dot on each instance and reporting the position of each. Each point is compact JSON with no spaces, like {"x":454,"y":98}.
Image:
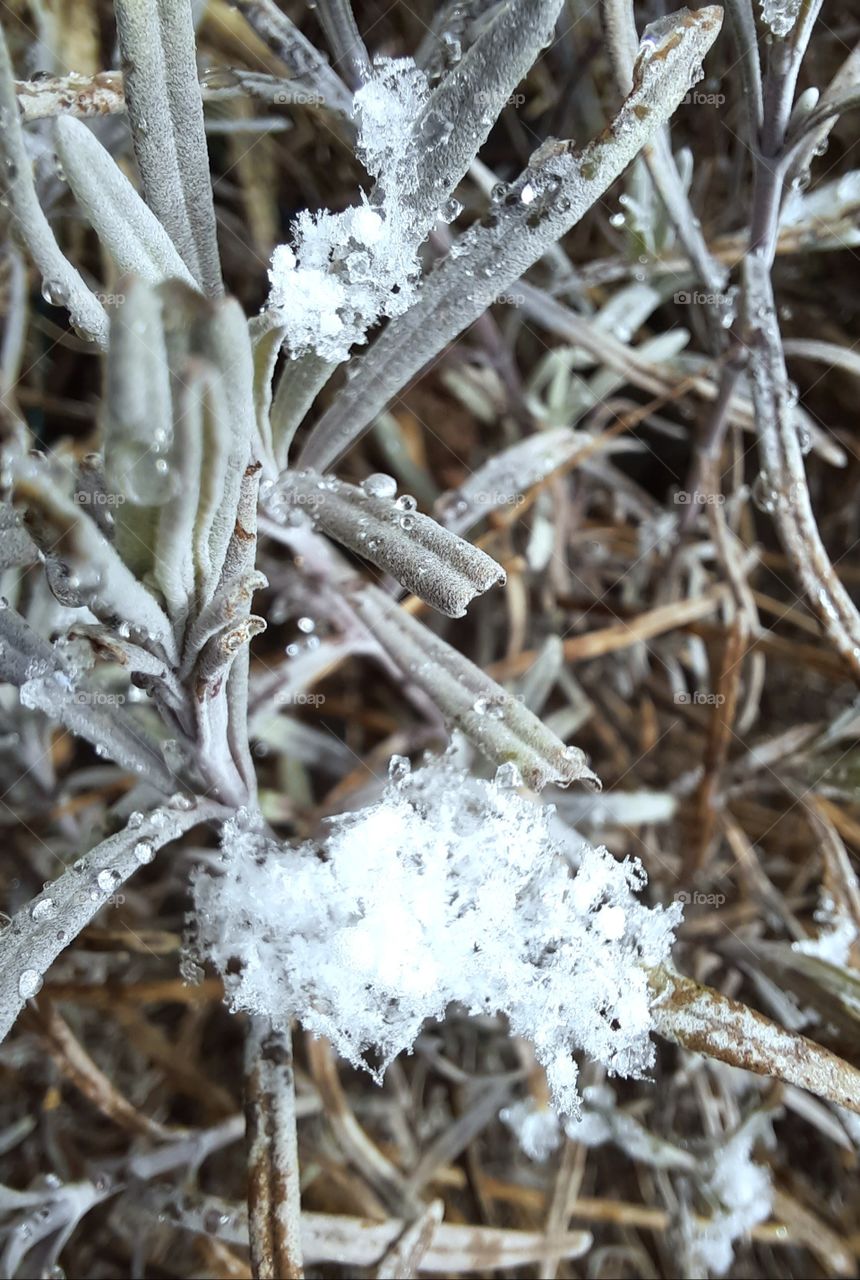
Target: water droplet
{"x":764,"y":495}
{"x":144,"y":478}
{"x":399,"y":767}
{"x":54,"y":293}
{"x":306,"y":625}
{"x":450,"y":210}
{"x":436,"y":129}
{"x":406,"y":502}
{"x":44,"y":909}
{"x":29,"y":984}
{"x":107,"y":880}
{"x":508,"y":776}
{"x":380,"y":485}
{"x":144,"y":852}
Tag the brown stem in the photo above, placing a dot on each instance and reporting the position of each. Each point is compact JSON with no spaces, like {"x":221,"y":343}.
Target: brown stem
{"x":274,"y":1201}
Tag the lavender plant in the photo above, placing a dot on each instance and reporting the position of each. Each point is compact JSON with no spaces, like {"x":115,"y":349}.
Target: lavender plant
{"x":134,"y":576}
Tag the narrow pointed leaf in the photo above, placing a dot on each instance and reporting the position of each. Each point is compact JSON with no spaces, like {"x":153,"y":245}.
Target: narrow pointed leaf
{"x":507,"y":475}
{"x":705,"y":1021}
{"x":138,"y":422}
{"x":35,"y":667}
{"x":784,"y":470}
{"x":178,"y":437}
{"x":306,"y":65}
{"x":550,"y":196}
{"x":443,"y":569}
{"x":61,"y":281}
{"x":88,"y":569}
{"x":463,"y":109}
{"x":55,"y":917}
{"x":165,"y":107}
{"x":126,"y":226}
{"x":499,"y":725}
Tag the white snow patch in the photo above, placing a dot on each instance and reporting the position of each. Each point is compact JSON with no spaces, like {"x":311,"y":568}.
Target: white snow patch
{"x":344,"y":271}
{"x":741,"y":1193}
{"x":535,"y":1128}
{"x":836,"y":936}
{"x":448,"y":889}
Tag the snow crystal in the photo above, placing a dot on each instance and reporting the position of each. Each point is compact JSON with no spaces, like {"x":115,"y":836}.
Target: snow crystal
{"x":536,"y":1128}
{"x":387,"y":107}
{"x":448,"y":889}
{"x":741,"y":1193}
{"x":345,"y":271}
{"x":836,"y":936}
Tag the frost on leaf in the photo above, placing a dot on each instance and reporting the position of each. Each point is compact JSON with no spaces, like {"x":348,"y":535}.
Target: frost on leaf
{"x":449,"y":889}
{"x":344,"y":271}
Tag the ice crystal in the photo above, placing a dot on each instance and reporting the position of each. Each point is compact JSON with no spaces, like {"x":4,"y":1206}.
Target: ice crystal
{"x":780,"y":15}
{"x":837,"y":934}
{"x":344,"y":271}
{"x":536,"y":1128}
{"x":449,"y":889}
{"x":741,"y":1193}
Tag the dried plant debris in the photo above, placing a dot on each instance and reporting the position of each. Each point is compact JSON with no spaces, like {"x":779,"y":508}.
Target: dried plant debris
{"x":429,"y":639}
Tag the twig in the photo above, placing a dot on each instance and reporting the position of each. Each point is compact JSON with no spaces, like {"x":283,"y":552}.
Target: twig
{"x":274,"y":1201}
